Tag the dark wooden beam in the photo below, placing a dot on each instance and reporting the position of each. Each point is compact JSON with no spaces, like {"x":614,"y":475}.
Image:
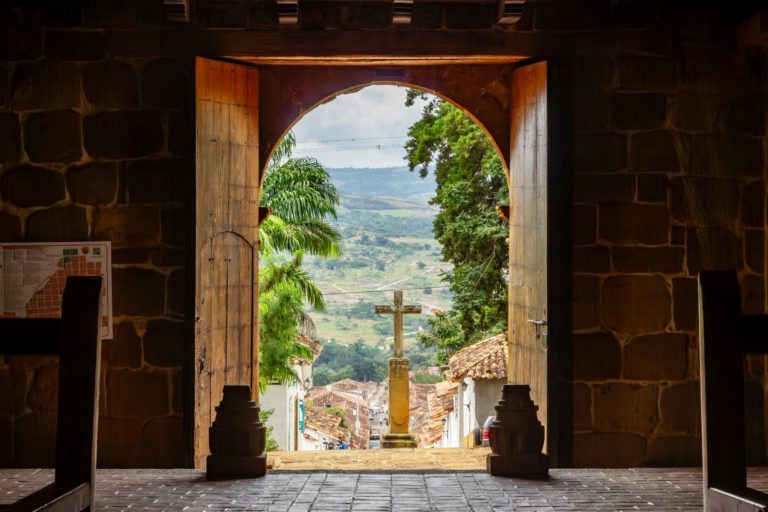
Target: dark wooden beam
{"x":76,"y":339}
{"x":722,"y":381}
{"x":340,"y":46}
{"x":54,"y":498}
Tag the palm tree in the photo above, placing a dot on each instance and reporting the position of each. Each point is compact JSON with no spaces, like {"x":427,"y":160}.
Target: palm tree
{"x":284,"y":290}
{"x":301,"y":195}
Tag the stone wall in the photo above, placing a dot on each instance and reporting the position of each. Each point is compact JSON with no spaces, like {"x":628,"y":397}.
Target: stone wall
{"x":669,"y":178}
{"x":667,"y":110}
{"x":92,"y":147}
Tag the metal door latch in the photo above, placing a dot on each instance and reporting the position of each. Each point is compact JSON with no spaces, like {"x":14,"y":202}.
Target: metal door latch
{"x":538,"y":325}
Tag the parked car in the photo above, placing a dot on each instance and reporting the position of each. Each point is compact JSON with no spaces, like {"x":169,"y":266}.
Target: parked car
{"x":374,"y":443}
{"x":486,"y":424}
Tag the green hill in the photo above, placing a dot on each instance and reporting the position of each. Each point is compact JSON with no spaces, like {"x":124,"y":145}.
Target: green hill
{"x":386,"y":224}
{"x":395,"y":182}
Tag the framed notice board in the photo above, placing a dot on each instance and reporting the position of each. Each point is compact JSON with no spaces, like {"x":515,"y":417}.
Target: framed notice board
{"x":32,"y":277}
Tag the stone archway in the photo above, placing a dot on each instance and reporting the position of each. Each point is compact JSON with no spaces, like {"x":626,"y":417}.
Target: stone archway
{"x":287,"y":93}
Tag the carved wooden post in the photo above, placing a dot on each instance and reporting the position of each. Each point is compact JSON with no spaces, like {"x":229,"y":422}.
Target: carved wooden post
{"x":237,"y":438}
{"x":516,"y":436}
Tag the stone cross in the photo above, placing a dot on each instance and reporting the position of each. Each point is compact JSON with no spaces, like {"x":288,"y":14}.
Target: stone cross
{"x":398,"y":310}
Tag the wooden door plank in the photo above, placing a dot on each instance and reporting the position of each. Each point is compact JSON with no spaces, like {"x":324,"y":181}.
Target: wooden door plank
{"x":528,"y":232}
{"x":227,"y":200}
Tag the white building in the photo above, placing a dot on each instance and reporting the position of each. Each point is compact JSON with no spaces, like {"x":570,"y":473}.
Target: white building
{"x":287,"y":403}
{"x":481,"y":371}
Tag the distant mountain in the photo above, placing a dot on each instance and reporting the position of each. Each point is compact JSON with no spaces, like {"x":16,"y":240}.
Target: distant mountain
{"x":383,"y":182}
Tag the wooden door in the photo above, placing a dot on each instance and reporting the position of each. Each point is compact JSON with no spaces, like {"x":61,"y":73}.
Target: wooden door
{"x":226,"y":231}
{"x":528,"y":200}
{"x":540,"y":248}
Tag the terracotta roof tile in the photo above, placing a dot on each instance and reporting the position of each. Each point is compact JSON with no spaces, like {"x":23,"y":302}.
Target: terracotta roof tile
{"x":314,"y":346}
{"x":326,"y":395}
{"x":325,"y":423}
{"x":430,"y":403}
{"x":485,"y":359}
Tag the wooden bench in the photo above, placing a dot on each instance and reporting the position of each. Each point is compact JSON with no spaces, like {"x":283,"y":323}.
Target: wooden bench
{"x":725,"y":337}
{"x":76,"y":339}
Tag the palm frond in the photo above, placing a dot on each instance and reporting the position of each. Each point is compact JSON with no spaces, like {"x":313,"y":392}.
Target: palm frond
{"x":313,"y":236}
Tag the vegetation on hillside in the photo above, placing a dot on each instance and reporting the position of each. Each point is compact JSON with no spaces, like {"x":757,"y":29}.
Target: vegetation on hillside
{"x":470,"y":183}
{"x":357,"y":361}
{"x":388,"y":243}
{"x":361,"y":362}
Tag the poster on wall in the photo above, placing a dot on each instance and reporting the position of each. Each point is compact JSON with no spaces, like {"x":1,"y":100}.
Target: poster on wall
{"x":32,"y":277}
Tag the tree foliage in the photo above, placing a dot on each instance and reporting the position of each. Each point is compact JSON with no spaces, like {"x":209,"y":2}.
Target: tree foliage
{"x":302,"y":198}
{"x":264,"y":416}
{"x":357,"y":361}
{"x":285,"y":287}
{"x":470,"y":184}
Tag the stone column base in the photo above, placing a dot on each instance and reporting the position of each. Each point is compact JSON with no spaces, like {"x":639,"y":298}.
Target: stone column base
{"x":533,"y":465}
{"x":390,"y":440}
{"x":237,"y":438}
{"x":220,"y":467}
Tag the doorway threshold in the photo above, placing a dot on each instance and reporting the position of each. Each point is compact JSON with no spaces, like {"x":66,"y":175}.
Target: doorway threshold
{"x":382,"y":460}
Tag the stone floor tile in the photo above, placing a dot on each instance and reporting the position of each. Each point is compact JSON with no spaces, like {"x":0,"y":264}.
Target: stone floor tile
{"x":281,"y":491}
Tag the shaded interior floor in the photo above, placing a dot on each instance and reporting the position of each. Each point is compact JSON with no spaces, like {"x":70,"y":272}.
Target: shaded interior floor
{"x":568,"y":489}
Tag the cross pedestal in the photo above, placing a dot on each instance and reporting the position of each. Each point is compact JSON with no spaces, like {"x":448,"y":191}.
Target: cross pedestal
{"x":399,"y":403}
{"x":399,"y":407}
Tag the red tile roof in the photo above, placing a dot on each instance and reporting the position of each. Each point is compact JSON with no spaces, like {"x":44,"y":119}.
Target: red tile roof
{"x":485,"y":359}
{"x":430,"y":403}
{"x":350,"y":403}
{"x":314,"y":346}
{"x":325,"y":423}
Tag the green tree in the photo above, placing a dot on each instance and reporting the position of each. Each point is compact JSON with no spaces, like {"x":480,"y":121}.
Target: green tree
{"x":470,"y":184}
{"x":264,"y":416}
{"x":284,"y":287}
{"x":302,"y":197}
{"x":357,"y":361}
{"x":427,"y":378}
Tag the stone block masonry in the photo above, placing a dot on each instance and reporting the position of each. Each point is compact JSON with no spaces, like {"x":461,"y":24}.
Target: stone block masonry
{"x":88,"y":96}
{"x":667,"y":169}
{"x":675,"y":126}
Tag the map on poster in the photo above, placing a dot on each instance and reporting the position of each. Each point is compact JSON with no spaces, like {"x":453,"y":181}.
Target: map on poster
{"x":32,"y":277}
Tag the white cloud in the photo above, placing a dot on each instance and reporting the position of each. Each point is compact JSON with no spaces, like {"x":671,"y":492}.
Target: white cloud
{"x":373,"y":119}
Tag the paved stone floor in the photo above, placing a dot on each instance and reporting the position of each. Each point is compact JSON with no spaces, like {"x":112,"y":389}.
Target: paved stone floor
{"x":568,"y":489}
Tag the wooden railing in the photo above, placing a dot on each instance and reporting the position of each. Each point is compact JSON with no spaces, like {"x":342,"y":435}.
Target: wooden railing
{"x":76,"y":339}
{"x":725,"y":337}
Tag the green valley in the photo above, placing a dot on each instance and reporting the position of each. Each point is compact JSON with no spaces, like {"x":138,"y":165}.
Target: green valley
{"x":386,"y":224}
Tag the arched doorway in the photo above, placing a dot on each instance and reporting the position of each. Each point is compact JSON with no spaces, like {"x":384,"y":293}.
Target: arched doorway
{"x":244,"y":110}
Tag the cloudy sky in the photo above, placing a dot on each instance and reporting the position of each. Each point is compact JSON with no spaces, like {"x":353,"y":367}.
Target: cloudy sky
{"x":363,"y":129}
